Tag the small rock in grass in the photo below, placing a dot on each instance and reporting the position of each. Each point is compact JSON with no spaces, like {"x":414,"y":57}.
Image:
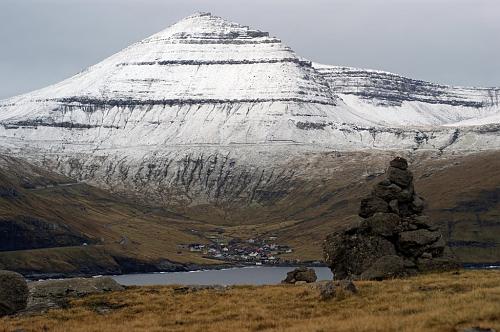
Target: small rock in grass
{"x":336,"y":289}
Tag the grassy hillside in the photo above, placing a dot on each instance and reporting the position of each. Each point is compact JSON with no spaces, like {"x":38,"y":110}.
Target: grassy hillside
{"x":436,"y":302}
{"x":107,"y":228}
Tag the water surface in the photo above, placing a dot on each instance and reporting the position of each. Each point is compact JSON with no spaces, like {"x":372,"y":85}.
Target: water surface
{"x":252,"y":275}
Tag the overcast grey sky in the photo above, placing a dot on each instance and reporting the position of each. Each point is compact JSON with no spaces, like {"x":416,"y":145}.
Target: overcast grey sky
{"x":445,"y":41}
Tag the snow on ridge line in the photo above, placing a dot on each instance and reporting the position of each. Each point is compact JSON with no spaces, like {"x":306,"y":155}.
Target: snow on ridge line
{"x":325,"y":67}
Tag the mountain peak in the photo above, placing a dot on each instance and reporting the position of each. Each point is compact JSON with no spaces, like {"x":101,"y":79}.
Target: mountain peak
{"x":205,"y":26}
{"x":199,"y":14}
{"x":201,"y":59}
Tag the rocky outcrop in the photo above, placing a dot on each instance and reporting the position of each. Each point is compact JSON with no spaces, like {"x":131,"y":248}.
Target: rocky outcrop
{"x":13,"y":293}
{"x":393,"y":238}
{"x":51,"y":294}
{"x":388,"y":89}
{"x":300,"y":275}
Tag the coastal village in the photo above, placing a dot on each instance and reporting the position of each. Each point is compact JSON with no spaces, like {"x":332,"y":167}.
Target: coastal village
{"x":253,"y":251}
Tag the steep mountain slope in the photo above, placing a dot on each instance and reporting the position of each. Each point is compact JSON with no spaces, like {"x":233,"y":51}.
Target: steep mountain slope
{"x":50,"y":224}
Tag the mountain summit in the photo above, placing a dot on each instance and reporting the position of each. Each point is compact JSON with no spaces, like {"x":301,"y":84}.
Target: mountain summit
{"x":201,"y":59}
{"x":209,"y":110}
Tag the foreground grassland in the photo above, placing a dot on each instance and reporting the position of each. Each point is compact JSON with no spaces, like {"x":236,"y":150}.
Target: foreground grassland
{"x":435,"y":302}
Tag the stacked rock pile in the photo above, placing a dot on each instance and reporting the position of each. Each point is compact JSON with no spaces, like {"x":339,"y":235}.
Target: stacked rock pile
{"x":393,"y":237}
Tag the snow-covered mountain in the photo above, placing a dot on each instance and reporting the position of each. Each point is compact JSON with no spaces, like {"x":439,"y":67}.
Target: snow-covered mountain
{"x":213,"y":110}
{"x":388,"y":99}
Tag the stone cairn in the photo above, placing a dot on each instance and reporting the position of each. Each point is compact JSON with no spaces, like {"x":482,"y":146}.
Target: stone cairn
{"x":393,"y":238}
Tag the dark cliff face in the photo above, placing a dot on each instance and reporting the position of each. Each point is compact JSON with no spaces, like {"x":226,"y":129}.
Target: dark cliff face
{"x":387,"y":89}
{"x":20,"y":231}
{"x":24,"y":232}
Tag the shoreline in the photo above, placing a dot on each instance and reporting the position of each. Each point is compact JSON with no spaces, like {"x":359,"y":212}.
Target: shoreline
{"x":196,"y":267}
{"x":180,"y":268}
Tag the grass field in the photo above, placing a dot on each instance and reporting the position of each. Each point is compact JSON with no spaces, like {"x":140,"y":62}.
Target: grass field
{"x":434,"y":302}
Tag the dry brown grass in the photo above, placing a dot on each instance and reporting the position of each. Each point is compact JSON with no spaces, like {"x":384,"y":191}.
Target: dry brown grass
{"x":436,"y":302}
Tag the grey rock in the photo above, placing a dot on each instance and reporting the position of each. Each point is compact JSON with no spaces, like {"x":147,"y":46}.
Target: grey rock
{"x":478,"y":329}
{"x":349,"y":255}
{"x":394,"y":206}
{"x":436,"y":249}
{"x":331,"y":289}
{"x":418,"y":204}
{"x":386,"y":191}
{"x":399,"y":162}
{"x":326,"y":290}
{"x":385,"y":267}
{"x":372,"y":205}
{"x":415,"y":242}
{"x":422,"y":222}
{"x":406,"y":195}
{"x":13,"y":293}
{"x":384,"y":224}
{"x":412,"y":227}
{"x":300,"y":274}
{"x":402,"y":178}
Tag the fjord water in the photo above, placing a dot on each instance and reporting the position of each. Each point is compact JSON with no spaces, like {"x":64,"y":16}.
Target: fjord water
{"x":252,"y":275}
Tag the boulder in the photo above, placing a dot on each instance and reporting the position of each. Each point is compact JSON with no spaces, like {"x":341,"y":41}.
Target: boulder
{"x":399,"y":162}
{"x":387,"y":190}
{"x":406,"y":195}
{"x":384,"y":224}
{"x":326,"y":290}
{"x":340,"y":289}
{"x":436,"y":249}
{"x":349,"y":255}
{"x":417,"y":204}
{"x":372,"y":205}
{"x":415,"y":242}
{"x":13,"y":293}
{"x":402,"y":178}
{"x":422,"y":222}
{"x":300,"y":274}
{"x":386,"y":267}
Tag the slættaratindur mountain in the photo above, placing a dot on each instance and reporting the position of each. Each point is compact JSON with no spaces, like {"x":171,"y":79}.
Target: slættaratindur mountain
{"x":224,"y":124}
